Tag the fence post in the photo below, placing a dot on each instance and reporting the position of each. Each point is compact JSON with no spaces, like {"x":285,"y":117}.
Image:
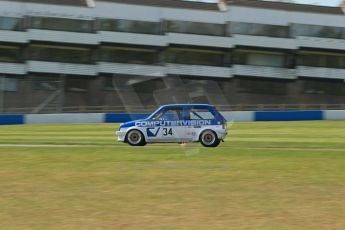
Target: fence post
{"x":2,"y":94}
{"x":61,"y":96}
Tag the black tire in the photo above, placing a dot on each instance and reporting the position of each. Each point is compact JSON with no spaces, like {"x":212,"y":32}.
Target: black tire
{"x":135,"y":138}
{"x":208,"y":138}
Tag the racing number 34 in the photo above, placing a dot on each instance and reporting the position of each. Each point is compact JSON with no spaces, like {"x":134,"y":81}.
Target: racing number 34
{"x":167,"y":131}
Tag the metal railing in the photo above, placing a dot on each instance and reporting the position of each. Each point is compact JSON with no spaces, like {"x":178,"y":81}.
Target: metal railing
{"x":150,"y":108}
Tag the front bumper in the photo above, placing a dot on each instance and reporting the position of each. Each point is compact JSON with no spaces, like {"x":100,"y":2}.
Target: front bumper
{"x":121,"y":135}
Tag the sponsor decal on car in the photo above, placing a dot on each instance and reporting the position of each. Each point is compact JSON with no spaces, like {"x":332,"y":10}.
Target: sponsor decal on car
{"x":152,"y":132}
{"x":173,"y":123}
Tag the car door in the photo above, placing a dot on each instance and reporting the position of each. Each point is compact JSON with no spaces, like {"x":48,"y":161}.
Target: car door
{"x":168,"y":126}
{"x":198,"y":118}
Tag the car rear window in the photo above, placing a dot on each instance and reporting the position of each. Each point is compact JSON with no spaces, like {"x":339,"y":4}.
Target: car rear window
{"x":200,"y":114}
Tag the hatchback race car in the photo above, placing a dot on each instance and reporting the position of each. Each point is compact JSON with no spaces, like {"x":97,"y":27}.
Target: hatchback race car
{"x":179,"y":123}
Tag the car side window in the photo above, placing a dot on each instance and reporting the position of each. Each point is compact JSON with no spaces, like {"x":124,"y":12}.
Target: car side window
{"x":200,"y":114}
{"x":174,"y":114}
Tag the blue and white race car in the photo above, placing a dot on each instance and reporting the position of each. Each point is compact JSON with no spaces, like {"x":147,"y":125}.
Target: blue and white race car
{"x":177,"y":123}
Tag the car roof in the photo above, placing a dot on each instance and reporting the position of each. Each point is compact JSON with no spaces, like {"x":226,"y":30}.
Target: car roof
{"x":186,"y":105}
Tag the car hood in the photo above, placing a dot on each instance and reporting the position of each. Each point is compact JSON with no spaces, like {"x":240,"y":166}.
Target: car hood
{"x":130,"y":123}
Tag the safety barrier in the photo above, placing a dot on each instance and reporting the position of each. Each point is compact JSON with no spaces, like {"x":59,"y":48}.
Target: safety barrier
{"x":237,"y":116}
{"x":11,"y":119}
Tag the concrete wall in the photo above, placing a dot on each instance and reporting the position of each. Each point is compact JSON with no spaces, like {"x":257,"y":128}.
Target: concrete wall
{"x":64,"y":118}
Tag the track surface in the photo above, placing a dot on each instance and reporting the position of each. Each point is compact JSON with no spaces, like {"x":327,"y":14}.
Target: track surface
{"x":281,"y":175}
{"x":162,"y":145}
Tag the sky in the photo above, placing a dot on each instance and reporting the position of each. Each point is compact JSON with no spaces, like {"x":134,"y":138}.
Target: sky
{"x":314,"y":2}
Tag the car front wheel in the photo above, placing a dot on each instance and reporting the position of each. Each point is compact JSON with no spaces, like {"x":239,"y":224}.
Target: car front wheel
{"x":209,"y":138}
{"x":135,"y":138}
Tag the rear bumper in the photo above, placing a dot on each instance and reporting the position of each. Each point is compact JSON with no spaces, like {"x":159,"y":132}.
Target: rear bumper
{"x":222,"y":134}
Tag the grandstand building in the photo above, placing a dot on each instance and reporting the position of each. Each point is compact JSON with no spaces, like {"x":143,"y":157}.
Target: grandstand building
{"x":106,"y":54}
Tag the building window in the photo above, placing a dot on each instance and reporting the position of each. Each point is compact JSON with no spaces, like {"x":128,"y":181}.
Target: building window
{"x":257,"y":58}
{"x":195,"y":57}
{"x":9,"y":54}
{"x":130,"y":26}
{"x":259,"y":29}
{"x":78,"y":85}
{"x":108,"y":84}
{"x":318,"y":59}
{"x":8,"y":84}
{"x":59,"y":54}
{"x":316,"y":31}
{"x":63,"y":24}
{"x":324,"y":86}
{"x":196,"y":28}
{"x":10,"y":23}
{"x":128,"y":55}
{"x":262,"y":86}
{"x":47,"y":83}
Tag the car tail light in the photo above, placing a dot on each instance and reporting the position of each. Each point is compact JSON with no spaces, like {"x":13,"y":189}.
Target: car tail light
{"x":224,"y":126}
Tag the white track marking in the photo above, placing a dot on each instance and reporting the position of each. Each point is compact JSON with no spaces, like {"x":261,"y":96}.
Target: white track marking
{"x":45,"y":145}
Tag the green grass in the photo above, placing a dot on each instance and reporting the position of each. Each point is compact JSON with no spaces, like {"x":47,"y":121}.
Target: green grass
{"x":279,"y":175}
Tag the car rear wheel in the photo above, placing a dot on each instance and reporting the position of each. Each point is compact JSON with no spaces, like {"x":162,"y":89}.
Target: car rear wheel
{"x":135,"y":138}
{"x":209,"y":138}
